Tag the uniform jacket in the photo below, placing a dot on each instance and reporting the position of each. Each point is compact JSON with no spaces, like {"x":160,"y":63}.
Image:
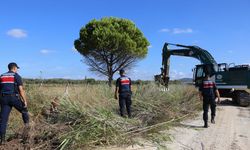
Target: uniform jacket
{"x":124,"y":84}
{"x":208,"y":89}
{"x":9,"y":83}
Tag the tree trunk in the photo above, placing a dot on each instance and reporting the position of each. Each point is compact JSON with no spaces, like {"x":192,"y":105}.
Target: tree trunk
{"x":110,"y":80}
{"x":110,"y":70}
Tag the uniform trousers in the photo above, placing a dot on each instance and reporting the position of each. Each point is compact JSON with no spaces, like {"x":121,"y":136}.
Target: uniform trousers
{"x":7,"y":102}
{"x":209,"y":101}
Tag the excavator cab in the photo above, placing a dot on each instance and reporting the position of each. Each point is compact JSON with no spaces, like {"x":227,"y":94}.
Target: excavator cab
{"x":200,"y":72}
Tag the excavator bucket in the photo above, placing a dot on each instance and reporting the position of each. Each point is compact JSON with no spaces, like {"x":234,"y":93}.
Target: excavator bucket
{"x":163,"y":78}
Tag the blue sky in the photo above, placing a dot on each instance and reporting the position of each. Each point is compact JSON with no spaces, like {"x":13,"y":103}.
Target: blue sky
{"x":39,"y":35}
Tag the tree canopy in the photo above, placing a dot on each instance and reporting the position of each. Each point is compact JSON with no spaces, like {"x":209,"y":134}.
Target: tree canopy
{"x":110,"y":44}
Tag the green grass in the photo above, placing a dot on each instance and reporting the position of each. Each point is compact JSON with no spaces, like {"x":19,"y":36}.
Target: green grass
{"x":88,"y":114}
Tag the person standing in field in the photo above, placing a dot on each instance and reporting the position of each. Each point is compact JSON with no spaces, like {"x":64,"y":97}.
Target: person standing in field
{"x":208,"y":93}
{"x":123,"y":89}
{"x":12,"y":95}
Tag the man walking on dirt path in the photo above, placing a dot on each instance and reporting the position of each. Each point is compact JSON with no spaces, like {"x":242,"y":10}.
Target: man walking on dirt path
{"x":123,"y":88}
{"x":208,"y":92}
{"x":12,"y":95}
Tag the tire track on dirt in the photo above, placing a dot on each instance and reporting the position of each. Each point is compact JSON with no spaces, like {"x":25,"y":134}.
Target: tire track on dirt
{"x":231,"y":131}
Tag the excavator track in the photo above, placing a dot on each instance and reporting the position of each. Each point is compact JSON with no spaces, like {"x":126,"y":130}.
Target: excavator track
{"x":242,"y":98}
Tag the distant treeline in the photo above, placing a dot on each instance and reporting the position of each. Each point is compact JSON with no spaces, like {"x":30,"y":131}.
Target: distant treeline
{"x":71,"y":81}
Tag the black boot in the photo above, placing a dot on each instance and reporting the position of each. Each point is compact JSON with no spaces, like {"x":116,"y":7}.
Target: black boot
{"x":212,"y":120}
{"x":129,"y":116}
{"x":2,"y":142}
{"x":205,"y":124}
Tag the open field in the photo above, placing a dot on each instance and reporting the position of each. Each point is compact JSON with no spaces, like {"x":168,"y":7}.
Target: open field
{"x":87,"y":116}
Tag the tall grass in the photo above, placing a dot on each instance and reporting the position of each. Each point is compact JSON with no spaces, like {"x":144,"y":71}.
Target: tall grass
{"x":88,"y":114}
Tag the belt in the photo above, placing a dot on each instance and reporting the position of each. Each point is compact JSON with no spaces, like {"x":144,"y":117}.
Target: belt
{"x":3,"y":94}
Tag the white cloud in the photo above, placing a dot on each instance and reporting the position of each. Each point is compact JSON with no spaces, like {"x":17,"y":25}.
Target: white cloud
{"x":180,"y":31}
{"x":17,"y":33}
{"x":46,"y":51}
{"x":177,"y":30}
{"x":165,"y":30}
{"x":150,"y":46}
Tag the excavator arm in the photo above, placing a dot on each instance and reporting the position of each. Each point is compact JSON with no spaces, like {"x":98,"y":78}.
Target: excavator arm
{"x":187,"y":51}
{"x":231,"y":82}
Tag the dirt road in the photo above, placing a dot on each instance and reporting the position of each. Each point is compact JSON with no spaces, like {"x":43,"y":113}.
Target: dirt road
{"x":231,"y":132}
